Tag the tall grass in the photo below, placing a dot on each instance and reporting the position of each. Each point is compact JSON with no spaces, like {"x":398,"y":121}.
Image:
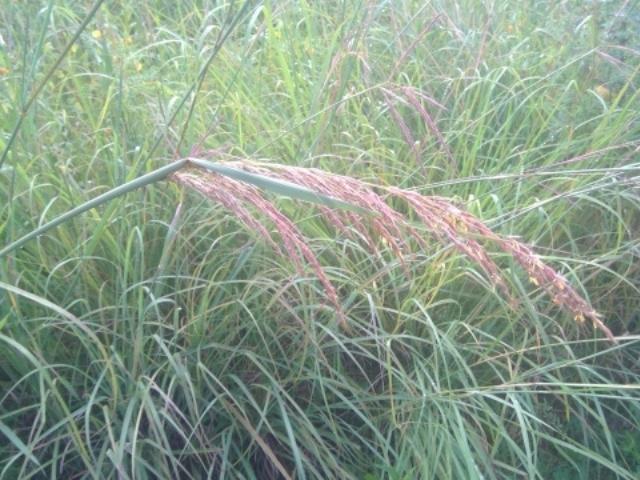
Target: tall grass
{"x":160,"y":335}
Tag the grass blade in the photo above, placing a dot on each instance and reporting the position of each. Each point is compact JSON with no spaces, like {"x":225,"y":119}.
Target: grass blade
{"x":139,"y":182}
{"x":278,"y":187}
{"x":27,"y":106}
{"x":19,"y":444}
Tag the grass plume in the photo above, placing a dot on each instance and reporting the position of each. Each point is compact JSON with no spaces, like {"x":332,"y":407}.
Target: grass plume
{"x":447,"y":222}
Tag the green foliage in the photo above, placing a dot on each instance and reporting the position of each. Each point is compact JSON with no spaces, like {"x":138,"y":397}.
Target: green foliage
{"x":154,"y":337}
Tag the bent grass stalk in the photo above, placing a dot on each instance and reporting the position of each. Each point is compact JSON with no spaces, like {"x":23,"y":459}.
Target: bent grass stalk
{"x":344,"y":201}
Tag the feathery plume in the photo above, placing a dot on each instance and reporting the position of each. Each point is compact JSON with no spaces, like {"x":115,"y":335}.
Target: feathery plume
{"x":447,"y":222}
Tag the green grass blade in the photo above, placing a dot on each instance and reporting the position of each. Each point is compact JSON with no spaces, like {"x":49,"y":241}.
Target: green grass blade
{"x":195,"y":88}
{"x":27,"y":106}
{"x":278,"y":187}
{"x":139,"y":182}
{"x":39,"y":300}
{"x":19,"y":444}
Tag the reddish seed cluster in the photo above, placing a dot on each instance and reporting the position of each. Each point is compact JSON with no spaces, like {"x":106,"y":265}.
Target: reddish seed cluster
{"x":448,"y":223}
{"x":540,"y":274}
{"x":416,"y":99}
{"x":235,"y":196}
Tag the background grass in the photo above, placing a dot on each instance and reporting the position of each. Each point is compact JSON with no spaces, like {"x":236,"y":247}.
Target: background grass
{"x":157,"y":338}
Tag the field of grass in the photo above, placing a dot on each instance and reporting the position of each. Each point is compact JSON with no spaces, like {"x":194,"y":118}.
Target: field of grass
{"x":162,"y":334}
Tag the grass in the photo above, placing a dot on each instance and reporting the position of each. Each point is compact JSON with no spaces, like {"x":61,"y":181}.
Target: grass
{"x":155,"y":335}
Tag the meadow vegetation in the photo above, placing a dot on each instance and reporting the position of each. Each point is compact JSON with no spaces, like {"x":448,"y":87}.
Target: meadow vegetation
{"x":348,"y":239}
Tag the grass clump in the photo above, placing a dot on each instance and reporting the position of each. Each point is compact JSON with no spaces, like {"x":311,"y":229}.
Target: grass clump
{"x":156,"y":335}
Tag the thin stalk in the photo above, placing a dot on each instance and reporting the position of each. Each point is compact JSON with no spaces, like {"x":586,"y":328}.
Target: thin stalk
{"x":142,"y":181}
{"x":27,"y":106}
{"x":195,"y":88}
{"x":277,"y":186}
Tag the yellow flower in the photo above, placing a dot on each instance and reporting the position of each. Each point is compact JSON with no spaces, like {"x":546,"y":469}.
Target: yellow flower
{"x":139,"y":67}
{"x":603,"y":92}
{"x":97,"y":34}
